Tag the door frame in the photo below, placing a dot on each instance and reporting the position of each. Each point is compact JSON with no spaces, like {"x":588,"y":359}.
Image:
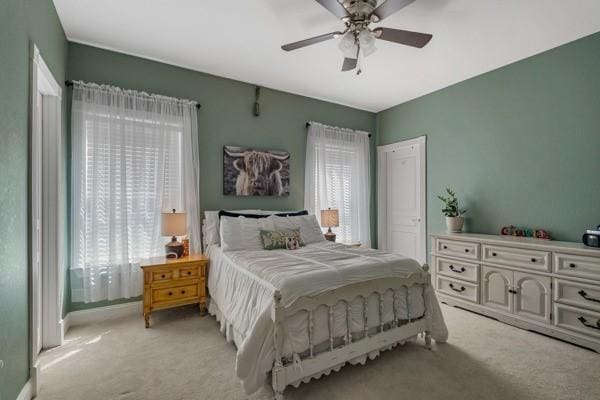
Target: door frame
{"x":52,"y":209}
{"x":382,"y":191}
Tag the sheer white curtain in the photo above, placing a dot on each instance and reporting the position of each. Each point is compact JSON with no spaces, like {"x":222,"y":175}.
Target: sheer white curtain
{"x":134,"y":155}
{"x":338,"y":176}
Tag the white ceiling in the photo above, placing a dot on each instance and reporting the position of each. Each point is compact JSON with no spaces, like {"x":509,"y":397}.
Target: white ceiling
{"x":241,"y":39}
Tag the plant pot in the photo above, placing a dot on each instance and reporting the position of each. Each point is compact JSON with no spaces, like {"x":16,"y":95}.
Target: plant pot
{"x":455,"y":224}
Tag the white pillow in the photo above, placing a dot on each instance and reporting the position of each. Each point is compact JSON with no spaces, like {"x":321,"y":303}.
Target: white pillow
{"x":309,"y":227}
{"x":210,"y":225}
{"x":240,"y":233}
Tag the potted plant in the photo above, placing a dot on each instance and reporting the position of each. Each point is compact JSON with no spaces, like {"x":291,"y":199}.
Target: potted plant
{"x":454,"y":218}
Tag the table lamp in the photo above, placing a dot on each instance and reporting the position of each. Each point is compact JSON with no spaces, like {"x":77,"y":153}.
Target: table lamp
{"x":173,"y":224}
{"x":330,"y":218}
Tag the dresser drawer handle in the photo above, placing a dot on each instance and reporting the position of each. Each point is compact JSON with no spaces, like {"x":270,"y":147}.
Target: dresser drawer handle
{"x":572,"y":265}
{"x":533,"y":260}
{"x":162,"y":277}
{"x":462,"y":288}
{"x":445,"y":247}
{"x":189,"y":272}
{"x":183,"y":292}
{"x":170,"y":293}
{"x":583,"y":294}
{"x":466,"y":250}
{"x":584,"y":322}
{"x":512,"y":291}
{"x":458,"y":271}
{"x":494,"y":254}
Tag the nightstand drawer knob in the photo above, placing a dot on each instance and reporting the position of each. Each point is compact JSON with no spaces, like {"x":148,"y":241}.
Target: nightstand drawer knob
{"x":162,"y":276}
{"x":189,"y":272}
{"x":170,"y":293}
{"x":183,"y":292}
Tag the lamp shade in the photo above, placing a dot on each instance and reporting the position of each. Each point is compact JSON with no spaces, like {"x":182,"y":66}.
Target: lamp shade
{"x":330,"y":218}
{"x":173,"y":224}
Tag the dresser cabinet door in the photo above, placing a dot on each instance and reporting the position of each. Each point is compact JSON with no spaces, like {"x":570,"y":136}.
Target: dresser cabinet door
{"x":496,"y":285}
{"x":532,"y":299}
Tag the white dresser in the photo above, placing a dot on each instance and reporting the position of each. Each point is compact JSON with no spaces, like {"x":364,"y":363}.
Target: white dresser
{"x":545,"y":286}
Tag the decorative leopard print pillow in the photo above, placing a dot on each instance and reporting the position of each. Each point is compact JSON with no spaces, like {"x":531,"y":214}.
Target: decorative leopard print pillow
{"x":272,"y":240}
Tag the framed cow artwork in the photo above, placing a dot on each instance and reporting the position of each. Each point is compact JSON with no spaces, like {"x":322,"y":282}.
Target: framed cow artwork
{"x":250,"y":172}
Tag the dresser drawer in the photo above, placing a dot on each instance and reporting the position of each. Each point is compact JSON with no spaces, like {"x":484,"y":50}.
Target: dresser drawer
{"x":577,"y":266}
{"x":457,"y":269}
{"x":577,"y":320}
{"x":175,"y":293}
{"x":455,"y":248}
{"x":515,"y":257}
{"x":460,"y":289}
{"x":577,"y":294}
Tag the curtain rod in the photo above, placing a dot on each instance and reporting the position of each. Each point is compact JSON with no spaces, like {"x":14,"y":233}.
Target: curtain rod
{"x":308,"y":124}
{"x":70,"y":83}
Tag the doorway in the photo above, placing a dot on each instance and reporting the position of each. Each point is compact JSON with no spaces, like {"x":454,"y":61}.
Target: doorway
{"x":46,"y":218}
{"x":402,"y":199}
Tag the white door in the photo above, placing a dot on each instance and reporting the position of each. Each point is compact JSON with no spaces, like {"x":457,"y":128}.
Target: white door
{"x":401,"y":187}
{"x":497,"y":288}
{"x":532,"y":297}
{"x":36,"y":223}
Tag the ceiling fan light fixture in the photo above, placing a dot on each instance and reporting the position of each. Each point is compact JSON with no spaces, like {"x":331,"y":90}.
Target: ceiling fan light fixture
{"x":348,"y":46}
{"x":366,"y":38}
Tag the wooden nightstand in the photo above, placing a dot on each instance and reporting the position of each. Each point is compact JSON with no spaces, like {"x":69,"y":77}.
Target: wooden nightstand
{"x":174,"y":282}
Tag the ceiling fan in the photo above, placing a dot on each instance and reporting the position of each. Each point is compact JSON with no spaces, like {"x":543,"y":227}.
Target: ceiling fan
{"x":358,"y":39}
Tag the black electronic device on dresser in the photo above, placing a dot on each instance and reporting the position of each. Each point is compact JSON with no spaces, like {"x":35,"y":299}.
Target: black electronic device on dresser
{"x":592,"y":238}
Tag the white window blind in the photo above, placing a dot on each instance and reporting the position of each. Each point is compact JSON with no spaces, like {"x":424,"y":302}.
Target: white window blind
{"x":338,"y":177}
{"x":128,"y":167}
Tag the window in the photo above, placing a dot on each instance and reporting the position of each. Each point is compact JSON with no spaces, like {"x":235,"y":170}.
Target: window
{"x":127,"y":167}
{"x":338,"y":177}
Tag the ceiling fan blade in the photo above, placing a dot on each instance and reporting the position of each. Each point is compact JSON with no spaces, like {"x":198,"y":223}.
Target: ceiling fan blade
{"x":390,"y":7}
{"x":308,"y":42}
{"x":408,"y":38}
{"x":349,"y":64}
{"x":334,"y":7}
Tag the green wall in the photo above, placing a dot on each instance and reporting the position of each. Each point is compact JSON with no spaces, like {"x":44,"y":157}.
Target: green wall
{"x":520,"y":145}
{"x":225,"y":118}
{"x":21,"y":23}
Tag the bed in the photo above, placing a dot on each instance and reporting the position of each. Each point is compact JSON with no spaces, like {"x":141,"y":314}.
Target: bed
{"x":296,"y":315}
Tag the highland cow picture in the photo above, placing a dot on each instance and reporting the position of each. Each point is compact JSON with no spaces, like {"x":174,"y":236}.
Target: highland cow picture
{"x":248,"y":172}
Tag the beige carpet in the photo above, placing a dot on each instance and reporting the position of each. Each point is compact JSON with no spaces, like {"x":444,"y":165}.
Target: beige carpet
{"x":184,"y":357}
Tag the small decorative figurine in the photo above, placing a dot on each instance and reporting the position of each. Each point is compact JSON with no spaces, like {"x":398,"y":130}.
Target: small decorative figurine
{"x":542,"y":234}
{"x":525,"y":232}
{"x":292,"y":243}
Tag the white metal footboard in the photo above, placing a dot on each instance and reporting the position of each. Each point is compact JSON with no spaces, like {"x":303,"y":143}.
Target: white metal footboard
{"x":335,"y":357}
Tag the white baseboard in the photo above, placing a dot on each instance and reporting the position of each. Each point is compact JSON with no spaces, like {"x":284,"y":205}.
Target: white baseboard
{"x":94,"y":315}
{"x":27,"y":392}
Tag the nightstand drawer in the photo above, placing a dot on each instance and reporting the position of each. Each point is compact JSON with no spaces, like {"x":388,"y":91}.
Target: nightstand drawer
{"x":189,"y":272}
{"x":174,"y":293}
{"x":162,"y":276}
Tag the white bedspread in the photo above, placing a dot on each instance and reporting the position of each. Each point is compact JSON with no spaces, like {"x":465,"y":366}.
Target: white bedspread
{"x":241,"y":285}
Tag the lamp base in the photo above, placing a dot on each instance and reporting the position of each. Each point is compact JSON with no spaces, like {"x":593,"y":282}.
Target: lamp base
{"x":329,"y":235}
{"x":174,"y":249}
